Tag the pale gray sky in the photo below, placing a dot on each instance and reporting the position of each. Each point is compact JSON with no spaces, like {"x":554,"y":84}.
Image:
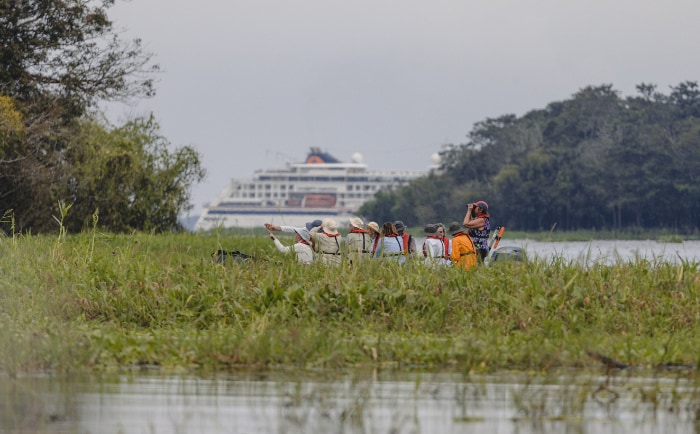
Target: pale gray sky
{"x":251,"y":84}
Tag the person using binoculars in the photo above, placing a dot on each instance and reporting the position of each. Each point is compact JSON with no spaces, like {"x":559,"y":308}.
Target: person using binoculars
{"x":476,"y":221}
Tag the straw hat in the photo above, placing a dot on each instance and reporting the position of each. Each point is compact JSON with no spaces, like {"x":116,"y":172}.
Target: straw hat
{"x":374,"y":226}
{"x":357,"y":222}
{"x":329,"y":226}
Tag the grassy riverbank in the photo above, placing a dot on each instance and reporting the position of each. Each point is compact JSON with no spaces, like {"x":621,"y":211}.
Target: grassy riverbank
{"x":102,"y":302}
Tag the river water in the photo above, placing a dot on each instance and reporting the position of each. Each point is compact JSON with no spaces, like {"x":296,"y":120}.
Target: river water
{"x":608,"y":251}
{"x":367,"y":402}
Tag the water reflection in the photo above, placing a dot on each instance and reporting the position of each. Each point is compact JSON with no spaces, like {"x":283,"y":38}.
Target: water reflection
{"x":606,"y":251}
{"x":610,"y":251}
{"x":359,"y":402}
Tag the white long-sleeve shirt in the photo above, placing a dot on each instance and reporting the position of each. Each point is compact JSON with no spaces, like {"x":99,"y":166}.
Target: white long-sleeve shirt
{"x":302,"y":250}
{"x":434,"y":251}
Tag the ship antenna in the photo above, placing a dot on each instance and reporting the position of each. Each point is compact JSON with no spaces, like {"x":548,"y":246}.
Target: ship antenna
{"x":279,"y":210}
{"x":280,"y":156}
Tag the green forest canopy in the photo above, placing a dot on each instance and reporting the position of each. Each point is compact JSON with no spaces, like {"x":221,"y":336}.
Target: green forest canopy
{"x":594,"y":161}
{"x":59,"y":159}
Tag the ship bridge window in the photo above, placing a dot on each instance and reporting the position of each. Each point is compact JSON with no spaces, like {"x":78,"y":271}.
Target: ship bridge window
{"x":272,"y":178}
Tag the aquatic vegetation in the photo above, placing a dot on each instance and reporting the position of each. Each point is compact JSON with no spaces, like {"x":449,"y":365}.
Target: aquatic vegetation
{"x":99,"y":301}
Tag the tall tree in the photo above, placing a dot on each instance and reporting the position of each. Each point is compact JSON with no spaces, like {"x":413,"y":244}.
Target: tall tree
{"x":595,"y":160}
{"x":57,"y":60}
{"x":128,"y":176}
{"x":68,"y":51}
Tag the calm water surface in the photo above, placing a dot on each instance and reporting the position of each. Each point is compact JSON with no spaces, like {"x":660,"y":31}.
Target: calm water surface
{"x":609,"y":251}
{"x":368,"y":402}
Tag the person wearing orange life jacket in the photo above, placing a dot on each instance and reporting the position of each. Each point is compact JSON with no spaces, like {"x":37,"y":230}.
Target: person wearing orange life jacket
{"x":477,"y":221}
{"x":375,"y":236}
{"x":357,"y":242}
{"x":409,"y":243}
{"x":328,"y":241}
{"x":463,"y":252}
{"x":433,"y":247}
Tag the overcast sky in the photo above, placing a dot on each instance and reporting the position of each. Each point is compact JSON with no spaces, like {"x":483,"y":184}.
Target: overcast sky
{"x":252,"y":84}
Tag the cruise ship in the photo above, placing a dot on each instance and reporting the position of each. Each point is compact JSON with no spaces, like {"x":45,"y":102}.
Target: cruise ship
{"x":320,"y":186}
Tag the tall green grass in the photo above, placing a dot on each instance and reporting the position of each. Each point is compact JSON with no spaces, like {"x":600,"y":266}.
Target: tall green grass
{"x":104,"y":302}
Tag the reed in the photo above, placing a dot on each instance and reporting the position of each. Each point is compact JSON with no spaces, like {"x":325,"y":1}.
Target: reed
{"x":98,"y":302}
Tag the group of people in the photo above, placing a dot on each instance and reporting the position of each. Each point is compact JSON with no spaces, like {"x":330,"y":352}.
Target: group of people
{"x":320,"y":241}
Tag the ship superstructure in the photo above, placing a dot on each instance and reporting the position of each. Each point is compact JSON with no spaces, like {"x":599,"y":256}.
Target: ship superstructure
{"x":319,"y":187}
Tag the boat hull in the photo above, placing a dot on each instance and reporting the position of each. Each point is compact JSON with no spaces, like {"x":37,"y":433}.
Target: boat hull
{"x":320,"y":187}
{"x":256,"y":217}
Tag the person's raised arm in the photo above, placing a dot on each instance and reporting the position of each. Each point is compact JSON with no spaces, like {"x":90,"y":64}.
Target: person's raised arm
{"x":470,"y":221}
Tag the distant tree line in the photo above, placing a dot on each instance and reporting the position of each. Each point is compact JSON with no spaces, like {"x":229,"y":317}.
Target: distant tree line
{"x":594,"y":161}
{"x":60,"y":160}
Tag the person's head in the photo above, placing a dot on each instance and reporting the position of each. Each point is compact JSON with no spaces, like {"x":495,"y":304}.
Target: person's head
{"x":329,"y":226}
{"x":356,"y":222}
{"x":481,"y":208}
{"x":388,"y":228}
{"x":313,"y":224}
{"x":430,"y":230}
{"x":400,"y":227}
{"x":373,"y":228}
{"x":302,"y":235}
{"x":440,"y":229}
{"x":455,"y":228}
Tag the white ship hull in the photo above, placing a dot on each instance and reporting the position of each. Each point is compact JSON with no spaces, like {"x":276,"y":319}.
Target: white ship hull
{"x":301,"y":192}
{"x":255,"y":217}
